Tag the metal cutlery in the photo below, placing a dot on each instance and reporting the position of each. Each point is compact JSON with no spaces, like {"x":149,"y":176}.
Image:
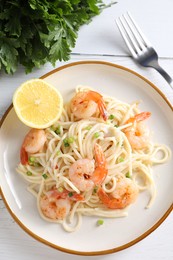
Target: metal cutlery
{"x":139,"y":46}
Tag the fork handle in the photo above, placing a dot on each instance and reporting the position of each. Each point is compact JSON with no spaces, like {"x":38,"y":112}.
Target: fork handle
{"x":164,"y":74}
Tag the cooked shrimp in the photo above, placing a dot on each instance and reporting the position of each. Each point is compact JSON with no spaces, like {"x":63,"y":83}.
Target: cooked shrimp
{"x":84,"y":104}
{"x":33,"y":142}
{"x":55,"y":209}
{"x":137,"y":134}
{"x":80,"y":173}
{"x":57,"y":205}
{"x":125,"y":193}
{"x":85,"y":173}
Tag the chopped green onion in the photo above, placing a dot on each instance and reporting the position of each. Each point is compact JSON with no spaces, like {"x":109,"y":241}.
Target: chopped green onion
{"x":100,"y":222}
{"x":58,"y":130}
{"x":29,"y":173}
{"x":88,"y":127}
{"x":128,"y":175}
{"x":96,"y":135}
{"x":36,"y":164}
{"x":120,"y":159}
{"x":68,"y":141}
{"x":31,"y":159}
{"x":115,"y":125}
{"x":71,"y":140}
{"x":60,"y":189}
{"x":111,"y":117}
{"x":70,"y":194}
{"x":66,"y":144}
{"x":53,"y":128}
{"x":95,"y":189}
{"x":58,"y":153}
{"x":45,"y":176}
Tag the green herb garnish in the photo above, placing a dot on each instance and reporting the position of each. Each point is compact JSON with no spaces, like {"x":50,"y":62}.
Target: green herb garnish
{"x":111,"y":117}
{"x":88,"y":127}
{"x":70,"y":194}
{"x":35,"y":32}
{"x":31,"y":159}
{"x":68,"y":141}
{"x":28,"y":173}
{"x":60,"y":189}
{"x":100,"y":222}
{"x":128,"y":175}
{"x":53,"y":128}
{"x":58,"y":130}
{"x":45,"y":176}
{"x":120,"y":159}
{"x":66,"y":144}
{"x":95,"y":189}
{"x":96,"y":135}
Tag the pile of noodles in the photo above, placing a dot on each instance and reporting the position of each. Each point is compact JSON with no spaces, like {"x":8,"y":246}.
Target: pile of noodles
{"x":51,"y":166}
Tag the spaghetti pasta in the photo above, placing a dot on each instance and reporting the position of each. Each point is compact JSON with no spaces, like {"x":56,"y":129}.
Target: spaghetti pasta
{"x":73,"y":139}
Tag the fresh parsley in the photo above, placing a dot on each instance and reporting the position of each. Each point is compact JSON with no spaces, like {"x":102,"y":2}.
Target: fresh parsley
{"x":34,"y":32}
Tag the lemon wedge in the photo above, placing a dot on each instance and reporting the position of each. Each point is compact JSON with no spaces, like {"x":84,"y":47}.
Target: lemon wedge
{"x":37,"y":103}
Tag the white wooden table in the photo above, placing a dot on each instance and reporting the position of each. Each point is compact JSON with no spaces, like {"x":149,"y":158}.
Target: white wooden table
{"x":14,"y":242}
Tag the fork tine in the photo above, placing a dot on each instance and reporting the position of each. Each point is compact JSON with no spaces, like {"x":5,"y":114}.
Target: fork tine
{"x":130,"y":38}
{"x":135,"y":32}
{"x":143,"y":37}
{"x":125,"y":37}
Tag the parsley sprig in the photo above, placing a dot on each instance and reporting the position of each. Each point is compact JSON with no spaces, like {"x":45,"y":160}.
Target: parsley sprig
{"x":34,"y":32}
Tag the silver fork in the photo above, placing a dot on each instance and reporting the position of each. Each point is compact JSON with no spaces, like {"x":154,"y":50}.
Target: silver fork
{"x":139,"y":46}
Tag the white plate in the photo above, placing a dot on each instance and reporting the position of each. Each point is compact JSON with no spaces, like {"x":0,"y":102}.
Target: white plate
{"x":115,"y":234}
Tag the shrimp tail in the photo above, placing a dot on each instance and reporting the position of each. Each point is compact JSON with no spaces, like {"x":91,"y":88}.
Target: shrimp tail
{"x":101,"y":171}
{"x":138,"y":117}
{"x":109,"y":202}
{"x":102,"y":109}
{"x":142,"y":116}
{"x":100,"y":102}
{"x":23,"y":156}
